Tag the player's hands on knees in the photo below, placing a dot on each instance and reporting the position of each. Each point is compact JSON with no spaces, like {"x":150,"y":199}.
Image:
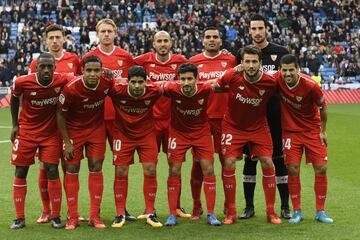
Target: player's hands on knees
{"x":323,"y":138}
{"x":68,"y":151}
{"x":238,"y":68}
{"x":14,"y":133}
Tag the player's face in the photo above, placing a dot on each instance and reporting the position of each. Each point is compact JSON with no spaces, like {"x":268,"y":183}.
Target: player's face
{"x":212,"y":40}
{"x":187,"y":83}
{"x":137,"y":86}
{"x":258,"y":31}
{"x":45,"y":68}
{"x":106,"y":34}
{"x":92,"y":72}
{"x":251,"y":64}
{"x":55,"y":41}
{"x":289,"y":72}
{"x":162,"y":43}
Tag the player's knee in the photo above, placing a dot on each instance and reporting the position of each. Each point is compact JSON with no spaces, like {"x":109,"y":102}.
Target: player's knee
{"x":208,"y":170}
{"x":293,"y":170}
{"x":21,"y":171}
{"x":52,"y":171}
{"x":174,"y":170}
{"x":95,"y":165}
{"x":121,"y":171}
{"x":320,"y":170}
{"x":72,"y":168}
{"x":150,"y":169}
{"x":229,"y":163}
{"x":266,"y":162}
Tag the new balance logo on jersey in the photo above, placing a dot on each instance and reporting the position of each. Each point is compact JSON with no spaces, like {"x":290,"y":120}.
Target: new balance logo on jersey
{"x":298,"y":98}
{"x":241,"y":87}
{"x":178,"y":101}
{"x":273,"y":57}
{"x":201,"y":101}
{"x":147,"y":102}
{"x":251,"y":101}
{"x":85,"y":100}
{"x":123,"y":101}
{"x":261,"y":92}
{"x":152,"y":65}
{"x":33,"y":93}
{"x":224,"y":64}
{"x":57,"y":90}
{"x":13,"y":157}
{"x":70,"y":65}
{"x":200,"y":65}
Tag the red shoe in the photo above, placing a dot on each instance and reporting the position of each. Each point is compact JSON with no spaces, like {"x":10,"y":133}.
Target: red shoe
{"x":72,"y":224}
{"x":196,"y":213}
{"x":229,"y":220}
{"x":96,"y":223}
{"x":273,"y":219}
{"x":44,"y":218}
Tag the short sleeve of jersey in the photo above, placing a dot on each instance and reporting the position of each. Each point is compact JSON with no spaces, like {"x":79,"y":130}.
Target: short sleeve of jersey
{"x":65,"y":100}
{"x":168,"y":88}
{"x":17,"y":88}
{"x":226,"y":78}
{"x":32,"y":67}
{"x":318,"y":96}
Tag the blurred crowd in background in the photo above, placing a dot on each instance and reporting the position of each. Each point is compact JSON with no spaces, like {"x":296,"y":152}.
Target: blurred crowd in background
{"x":325,"y":35}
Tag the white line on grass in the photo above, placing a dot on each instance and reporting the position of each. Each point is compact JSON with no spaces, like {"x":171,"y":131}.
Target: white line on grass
{"x":5,"y":141}
{"x":5,"y":127}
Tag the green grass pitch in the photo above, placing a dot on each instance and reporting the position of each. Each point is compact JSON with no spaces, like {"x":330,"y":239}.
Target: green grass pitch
{"x":342,"y":202}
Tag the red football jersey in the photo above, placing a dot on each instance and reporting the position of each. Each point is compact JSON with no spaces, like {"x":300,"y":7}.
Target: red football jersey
{"x":119,"y":61}
{"x":160,"y":71}
{"x":84,"y":105}
{"x":300,"y":104}
{"x":246,"y":109}
{"x":134,"y":116}
{"x":38,"y":113}
{"x":210,"y":68}
{"x":188,"y":114}
{"x":67,"y":63}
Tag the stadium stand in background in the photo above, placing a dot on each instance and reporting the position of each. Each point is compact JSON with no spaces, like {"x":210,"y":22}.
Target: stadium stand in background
{"x":325,"y":35}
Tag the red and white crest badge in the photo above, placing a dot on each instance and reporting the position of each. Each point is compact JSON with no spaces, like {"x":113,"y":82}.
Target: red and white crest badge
{"x":201,"y":101}
{"x":261,"y":92}
{"x":298,"y":98}
{"x":120,"y":62}
{"x":57,"y":90}
{"x":224,"y":64}
{"x":70,"y":65}
{"x":273,"y":57}
{"x":173,"y":66}
{"x":147,"y":102}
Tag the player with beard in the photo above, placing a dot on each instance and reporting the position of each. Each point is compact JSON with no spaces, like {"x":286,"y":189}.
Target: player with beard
{"x":65,"y":62}
{"x":118,"y":61}
{"x":34,"y":129}
{"x":245,"y":123}
{"x":271,"y":55}
{"x":162,"y":65}
{"x":212,"y":63}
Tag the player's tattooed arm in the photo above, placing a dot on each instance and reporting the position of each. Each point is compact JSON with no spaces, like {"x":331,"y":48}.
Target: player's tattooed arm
{"x":323,"y":118}
{"x":14,"y":105}
{"x":68,"y":146}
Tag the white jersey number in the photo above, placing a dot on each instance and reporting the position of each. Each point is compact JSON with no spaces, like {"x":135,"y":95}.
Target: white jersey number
{"x":226,"y":139}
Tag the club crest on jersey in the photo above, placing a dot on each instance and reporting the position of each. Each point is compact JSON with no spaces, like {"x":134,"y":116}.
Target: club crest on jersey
{"x":298,"y":98}
{"x":201,"y":101}
{"x":173,"y":66}
{"x":152,"y":65}
{"x":120,"y":62}
{"x":224,"y":64}
{"x":147,"y":102}
{"x":178,"y":101}
{"x":70,"y":65}
{"x":14,"y":156}
{"x":33,"y":93}
{"x":261,"y":92}
{"x":106,"y":91}
{"x":62,"y":98}
{"x":57,"y":90}
{"x":241,"y":87}
{"x":273,"y":57}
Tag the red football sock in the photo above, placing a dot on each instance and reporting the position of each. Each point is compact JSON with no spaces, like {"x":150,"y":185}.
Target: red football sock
{"x":174,"y":186}
{"x":269,"y":186}
{"x":149,"y":189}
{"x":222,"y":161}
{"x":178,"y":205}
{"x":210,"y":193}
{"x":229,"y":182}
{"x":55,"y":195}
{"x":195,"y":183}
{"x":19,"y":195}
{"x":295,"y":191}
{"x":72,"y":192}
{"x":96,"y":187}
{"x":320,"y":187}
{"x":120,"y":193}
{"x":43,"y":188}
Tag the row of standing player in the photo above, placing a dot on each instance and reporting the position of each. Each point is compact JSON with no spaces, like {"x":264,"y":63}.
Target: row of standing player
{"x":162,"y":44}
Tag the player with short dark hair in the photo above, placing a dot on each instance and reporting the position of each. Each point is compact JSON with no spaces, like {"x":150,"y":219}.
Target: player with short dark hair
{"x":189,"y":129}
{"x":81,"y":123}
{"x":34,"y":129}
{"x":134,"y":130}
{"x":65,"y":62}
{"x":303,"y":118}
{"x":162,"y":65}
{"x":271,"y":55}
{"x":211,"y":63}
{"x":245,"y":123}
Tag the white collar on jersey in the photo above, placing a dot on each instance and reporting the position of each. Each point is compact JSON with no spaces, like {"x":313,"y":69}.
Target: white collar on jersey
{"x":290,"y":88}
{"x":59,"y":58}
{"x":161,"y":61}
{"x":111,"y":52}
{"x":257,"y":80}
{"x":93,"y":89}
{"x":219,"y":53}
{"x":44,"y":86}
